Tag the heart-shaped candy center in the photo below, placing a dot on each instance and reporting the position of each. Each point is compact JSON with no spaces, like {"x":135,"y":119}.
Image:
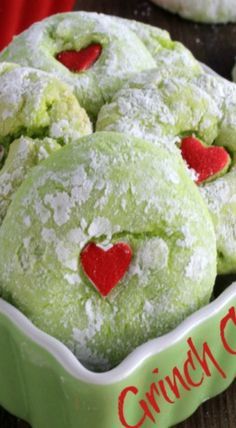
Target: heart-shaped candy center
{"x":207,"y":162}
{"x":105,"y":268}
{"x":82,"y":60}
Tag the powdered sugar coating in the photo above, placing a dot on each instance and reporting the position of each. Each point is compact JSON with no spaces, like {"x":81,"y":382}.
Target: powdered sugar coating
{"x":223,"y":93}
{"x":166,"y":52}
{"x":128,"y":47}
{"x":23,"y":155}
{"x":164,"y":221}
{"x":38,"y":114}
{"x":220,"y":195}
{"x":159,"y":108}
{"x":123,"y":53}
{"x":36,"y":104}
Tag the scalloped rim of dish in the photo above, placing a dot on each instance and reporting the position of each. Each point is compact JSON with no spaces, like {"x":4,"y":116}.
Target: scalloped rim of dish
{"x":72,"y":365}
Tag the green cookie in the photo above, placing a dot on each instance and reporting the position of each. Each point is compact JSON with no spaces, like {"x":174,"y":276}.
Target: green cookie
{"x":123,"y":53}
{"x":152,"y":107}
{"x":166,"y":109}
{"x":108,"y":189}
{"x":36,"y":104}
{"x":220,"y":195}
{"x":38,"y":114}
{"x":23,"y":155}
{"x":127,"y":47}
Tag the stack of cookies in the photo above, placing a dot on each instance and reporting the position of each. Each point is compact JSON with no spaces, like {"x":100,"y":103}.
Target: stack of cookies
{"x":117,"y":182}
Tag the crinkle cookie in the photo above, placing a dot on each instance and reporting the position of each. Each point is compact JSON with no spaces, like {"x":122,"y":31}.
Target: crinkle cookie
{"x":170,"y":109}
{"x":112,"y":245}
{"x":38,"y":114}
{"x":95,"y":53}
{"x":220,"y":193}
{"x":160,"y":109}
{"x":24,"y":154}
{"x":209,"y":11}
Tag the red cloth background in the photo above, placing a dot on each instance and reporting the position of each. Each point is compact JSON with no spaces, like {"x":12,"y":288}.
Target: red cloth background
{"x":17,"y":15}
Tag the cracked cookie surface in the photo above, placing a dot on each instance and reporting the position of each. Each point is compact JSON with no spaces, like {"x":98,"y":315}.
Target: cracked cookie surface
{"x":108,"y":189}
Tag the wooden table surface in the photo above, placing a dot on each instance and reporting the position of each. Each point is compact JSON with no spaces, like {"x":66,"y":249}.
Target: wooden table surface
{"x":216,"y":46}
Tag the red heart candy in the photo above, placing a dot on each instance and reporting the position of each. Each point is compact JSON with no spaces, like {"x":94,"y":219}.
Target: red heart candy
{"x":206,"y":161}
{"x":82,"y":60}
{"x":105,"y":268}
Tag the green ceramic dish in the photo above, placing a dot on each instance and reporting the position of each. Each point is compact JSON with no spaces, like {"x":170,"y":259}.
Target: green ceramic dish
{"x":161,"y":383}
